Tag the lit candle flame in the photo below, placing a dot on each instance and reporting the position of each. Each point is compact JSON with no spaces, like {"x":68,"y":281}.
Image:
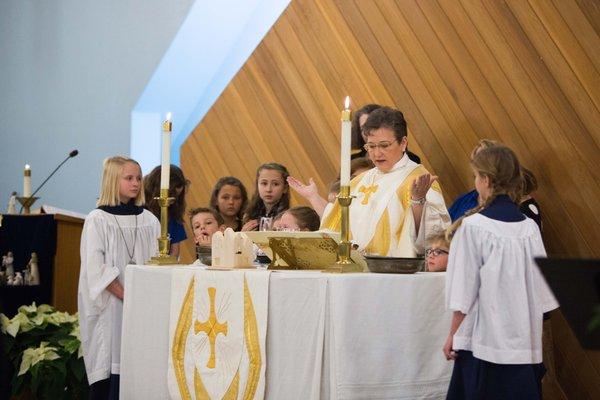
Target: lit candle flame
{"x":347,"y":103}
{"x":27,"y":166}
{"x":169,"y":115}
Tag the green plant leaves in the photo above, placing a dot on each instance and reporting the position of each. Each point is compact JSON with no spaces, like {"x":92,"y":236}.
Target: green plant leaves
{"x":45,"y":350}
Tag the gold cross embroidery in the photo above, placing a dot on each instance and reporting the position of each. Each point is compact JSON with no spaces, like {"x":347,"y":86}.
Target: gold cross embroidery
{"x":368,"y":191}
{"x":211,"y":327}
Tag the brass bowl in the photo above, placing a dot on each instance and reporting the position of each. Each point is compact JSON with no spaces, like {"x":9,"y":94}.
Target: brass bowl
{"x":394,"y":265}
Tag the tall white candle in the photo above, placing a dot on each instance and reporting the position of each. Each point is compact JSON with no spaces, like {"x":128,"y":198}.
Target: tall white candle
{"x":346,"y":143}
{"x":166,"y":153}
{"x":27,"y":181}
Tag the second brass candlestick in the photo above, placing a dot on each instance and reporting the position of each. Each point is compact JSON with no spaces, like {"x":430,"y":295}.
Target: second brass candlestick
{"x":164,"y":243}
{"x":344,"y":262}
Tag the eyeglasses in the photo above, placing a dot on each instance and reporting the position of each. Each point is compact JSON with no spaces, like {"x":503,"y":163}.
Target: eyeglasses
{"x":435,"y":252}
{"x":383,"y":146}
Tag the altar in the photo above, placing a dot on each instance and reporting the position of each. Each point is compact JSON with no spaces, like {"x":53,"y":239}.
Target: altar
{"x":329,"y":336}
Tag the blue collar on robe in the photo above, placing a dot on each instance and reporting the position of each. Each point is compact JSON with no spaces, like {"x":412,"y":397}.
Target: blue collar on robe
{"x":503,"y":209}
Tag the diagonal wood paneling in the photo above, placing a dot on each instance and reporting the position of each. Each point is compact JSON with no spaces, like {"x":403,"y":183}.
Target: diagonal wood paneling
{"x":525,"y":72}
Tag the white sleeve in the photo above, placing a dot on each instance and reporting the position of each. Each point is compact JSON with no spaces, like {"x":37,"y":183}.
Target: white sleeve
{"x":462,"y":276}
{"x":98,"y":274}
{"x":434,"y":219}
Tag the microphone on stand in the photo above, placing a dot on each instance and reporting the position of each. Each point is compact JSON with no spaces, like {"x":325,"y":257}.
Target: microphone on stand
{"x":72,"y":154}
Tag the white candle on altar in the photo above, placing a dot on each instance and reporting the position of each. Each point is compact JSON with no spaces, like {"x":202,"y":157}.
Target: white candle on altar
{"x":346,"y":143}
{"x":27,"y":181}
{"x":165,"y":169}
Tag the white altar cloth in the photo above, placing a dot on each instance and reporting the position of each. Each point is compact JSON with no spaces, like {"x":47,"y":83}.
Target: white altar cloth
{"x":329,"y":336}
{"x":385,"y":335}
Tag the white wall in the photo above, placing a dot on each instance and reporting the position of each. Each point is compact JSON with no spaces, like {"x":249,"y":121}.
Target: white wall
{"x":146,"y":134}
{"x":71,"y":71}
{"x":213,"y":43}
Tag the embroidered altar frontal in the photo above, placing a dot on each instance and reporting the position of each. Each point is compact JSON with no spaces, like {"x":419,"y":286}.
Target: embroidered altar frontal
{"x":217,"y":332}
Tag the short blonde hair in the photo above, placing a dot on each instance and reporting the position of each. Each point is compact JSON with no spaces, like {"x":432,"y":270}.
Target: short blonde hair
{"x":438,"y":238}
{"x":111,"y":174}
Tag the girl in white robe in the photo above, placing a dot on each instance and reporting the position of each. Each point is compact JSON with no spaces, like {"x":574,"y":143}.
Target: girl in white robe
{"x":119,"y":232}
{"x":496,"y":291}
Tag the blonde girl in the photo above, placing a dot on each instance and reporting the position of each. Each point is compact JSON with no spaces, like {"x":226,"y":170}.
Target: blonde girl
{"x":119,"y":232}
{"x":495,"y":290}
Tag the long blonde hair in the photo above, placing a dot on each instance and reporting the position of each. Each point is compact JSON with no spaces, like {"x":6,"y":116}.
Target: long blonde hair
{"x":111,"y":174}
{"x":501,"y":166}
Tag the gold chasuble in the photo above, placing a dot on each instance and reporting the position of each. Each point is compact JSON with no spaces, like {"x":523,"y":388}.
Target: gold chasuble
{"x":381,"y":219}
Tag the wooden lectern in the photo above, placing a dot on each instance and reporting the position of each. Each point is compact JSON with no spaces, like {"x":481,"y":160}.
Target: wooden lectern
{"x":67,"y":260}
{"x":56,"y":238}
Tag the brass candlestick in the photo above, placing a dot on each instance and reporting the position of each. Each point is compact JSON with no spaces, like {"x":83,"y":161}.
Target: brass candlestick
{"x":344,"y":262}
{"x":164,"y":243}
{"x":26,"y":203}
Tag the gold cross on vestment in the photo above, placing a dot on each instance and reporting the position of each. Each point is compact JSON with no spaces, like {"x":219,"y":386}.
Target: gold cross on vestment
{"x":368,"y":191}
{"x":211,"y":327}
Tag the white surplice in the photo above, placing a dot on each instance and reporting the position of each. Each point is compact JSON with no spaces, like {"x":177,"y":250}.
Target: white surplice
{"x":104,"y":255}
{"x":493,"y":279}
{"x":381,"y":218}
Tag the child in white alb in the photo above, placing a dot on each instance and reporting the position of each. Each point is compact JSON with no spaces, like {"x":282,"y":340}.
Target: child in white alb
{"x":495,"y":290}
{"x":119,"y":232}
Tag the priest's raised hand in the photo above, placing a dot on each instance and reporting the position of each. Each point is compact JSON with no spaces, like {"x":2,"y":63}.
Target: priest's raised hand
{"x":421,"y":186}
{"x":309,"y":192}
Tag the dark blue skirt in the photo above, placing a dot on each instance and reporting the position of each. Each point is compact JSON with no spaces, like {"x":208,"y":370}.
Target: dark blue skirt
{"x":107,"y":389}
{"x":475,"y":379}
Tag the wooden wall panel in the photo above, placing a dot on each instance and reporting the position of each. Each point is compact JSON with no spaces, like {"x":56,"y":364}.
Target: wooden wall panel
{"x":525,"y":72}
{"x":522,"y":72}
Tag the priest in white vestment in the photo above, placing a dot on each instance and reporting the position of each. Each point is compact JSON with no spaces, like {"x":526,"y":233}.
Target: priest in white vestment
{"x":397,"y":204}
